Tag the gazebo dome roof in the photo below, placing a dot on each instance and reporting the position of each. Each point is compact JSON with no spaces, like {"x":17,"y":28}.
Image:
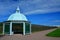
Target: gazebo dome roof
{"x":17,"y":16}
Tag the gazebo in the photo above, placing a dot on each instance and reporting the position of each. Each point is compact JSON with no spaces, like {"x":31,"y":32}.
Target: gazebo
{"x":17,"y":22}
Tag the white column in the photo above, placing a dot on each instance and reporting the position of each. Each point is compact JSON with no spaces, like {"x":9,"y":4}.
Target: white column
{"x":23,"y":28}
{"x":30,"y":28}
{"x":3,"y":27}
{"x":10,"y":28}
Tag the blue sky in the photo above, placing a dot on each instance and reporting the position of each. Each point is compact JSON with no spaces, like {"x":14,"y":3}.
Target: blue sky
{"x":41,"y":12}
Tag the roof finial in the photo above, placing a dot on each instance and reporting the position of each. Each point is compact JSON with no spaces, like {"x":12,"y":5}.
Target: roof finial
{"x":18,"y":10}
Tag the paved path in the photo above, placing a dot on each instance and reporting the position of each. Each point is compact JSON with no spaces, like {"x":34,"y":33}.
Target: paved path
{"x":34,"y":36}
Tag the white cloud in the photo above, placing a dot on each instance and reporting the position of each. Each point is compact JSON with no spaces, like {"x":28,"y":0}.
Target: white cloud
{"x":43,"y":11}
{"x":56,"y":21}
{"x":32,"y":6}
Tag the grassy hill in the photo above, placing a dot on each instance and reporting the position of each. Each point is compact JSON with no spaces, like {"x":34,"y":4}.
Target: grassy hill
{"x":1,"y":28}
{"x":36,"y":28}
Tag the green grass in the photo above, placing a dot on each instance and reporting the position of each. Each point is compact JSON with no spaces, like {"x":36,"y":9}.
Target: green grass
{"x":55,"y":33}
{"x":0,"y":32}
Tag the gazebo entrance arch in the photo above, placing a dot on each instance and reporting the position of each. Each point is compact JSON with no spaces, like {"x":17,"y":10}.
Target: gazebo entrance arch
{"x":17,"y":28}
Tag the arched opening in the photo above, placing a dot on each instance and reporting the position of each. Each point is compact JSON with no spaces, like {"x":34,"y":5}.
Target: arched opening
{"x":17,"y":28}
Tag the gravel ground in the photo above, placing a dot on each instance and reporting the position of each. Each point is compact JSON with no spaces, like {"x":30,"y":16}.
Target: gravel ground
{"x":34,"y":36}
